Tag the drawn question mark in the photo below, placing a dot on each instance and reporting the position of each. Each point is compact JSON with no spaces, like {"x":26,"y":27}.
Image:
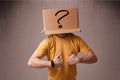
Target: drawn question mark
{"x":60,"y":26}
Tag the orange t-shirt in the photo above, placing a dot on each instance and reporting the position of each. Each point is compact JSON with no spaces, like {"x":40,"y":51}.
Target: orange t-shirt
{"x":53,"y":45}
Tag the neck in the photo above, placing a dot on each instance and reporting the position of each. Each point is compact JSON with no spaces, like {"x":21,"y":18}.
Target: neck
{"x":63,"y":35}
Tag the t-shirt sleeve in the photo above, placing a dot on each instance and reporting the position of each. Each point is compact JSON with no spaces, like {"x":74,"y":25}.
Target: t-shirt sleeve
{"x":83,"y":47}
{"x":42,"y":49}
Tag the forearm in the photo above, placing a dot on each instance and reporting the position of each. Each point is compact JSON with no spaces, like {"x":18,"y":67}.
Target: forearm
{"x":38,"y":63}
{"x":88,"y":60}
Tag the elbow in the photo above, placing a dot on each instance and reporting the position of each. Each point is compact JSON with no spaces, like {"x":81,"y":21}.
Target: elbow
{"x":30,"y":64}
{"x":95,"y":60}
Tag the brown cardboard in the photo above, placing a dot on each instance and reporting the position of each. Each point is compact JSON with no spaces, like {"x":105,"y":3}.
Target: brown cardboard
{"x":70,"y":22}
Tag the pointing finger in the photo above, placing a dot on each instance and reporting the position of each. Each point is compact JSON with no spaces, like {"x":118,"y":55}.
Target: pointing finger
{"x":58,"y":56}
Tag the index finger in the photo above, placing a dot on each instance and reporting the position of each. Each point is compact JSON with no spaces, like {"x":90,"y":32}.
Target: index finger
{"x":58,"y":56}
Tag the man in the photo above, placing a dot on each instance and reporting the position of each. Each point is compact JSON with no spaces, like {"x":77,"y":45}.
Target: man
{"x":62,"y":53}
{"x":61,"y":46}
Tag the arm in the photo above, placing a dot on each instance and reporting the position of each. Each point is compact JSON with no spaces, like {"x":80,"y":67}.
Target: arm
{"x":36,"y":62}
{"x":89,"y":58}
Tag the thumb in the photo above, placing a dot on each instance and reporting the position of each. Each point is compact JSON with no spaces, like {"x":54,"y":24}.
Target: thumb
{"x":72,"y":53}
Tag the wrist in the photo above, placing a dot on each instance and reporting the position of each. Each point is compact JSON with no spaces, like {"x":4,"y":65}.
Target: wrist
{"x":52,"y":64}
{"x":81,"y":59}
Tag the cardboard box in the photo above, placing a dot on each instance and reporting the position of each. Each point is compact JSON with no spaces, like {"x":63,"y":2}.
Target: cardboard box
{"x":63,"y":20}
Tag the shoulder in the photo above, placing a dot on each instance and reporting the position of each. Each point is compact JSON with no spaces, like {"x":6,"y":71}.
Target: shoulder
{"x":50,"y":39}
{"x":50,"y":36}
{"x":76,"y":37}
{"x":46,"y":40}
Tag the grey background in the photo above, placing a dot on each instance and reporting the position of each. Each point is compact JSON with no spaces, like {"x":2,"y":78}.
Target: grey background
{"x":21,"y":23}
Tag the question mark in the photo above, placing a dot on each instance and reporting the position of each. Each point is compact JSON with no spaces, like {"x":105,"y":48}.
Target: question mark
{"x":60,"y":26}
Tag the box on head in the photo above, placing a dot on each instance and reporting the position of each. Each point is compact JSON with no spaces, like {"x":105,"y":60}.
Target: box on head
{"x":61,"y":20}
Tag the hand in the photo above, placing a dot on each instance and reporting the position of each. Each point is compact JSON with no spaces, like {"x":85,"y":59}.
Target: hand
{"x":58,"y":61}
{"x":73,"y":59}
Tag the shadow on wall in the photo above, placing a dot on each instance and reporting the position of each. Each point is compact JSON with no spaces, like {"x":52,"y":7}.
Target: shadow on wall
{"x":114,"y":5}
{"x":6,"y":8}
{"x":112,"y":14}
